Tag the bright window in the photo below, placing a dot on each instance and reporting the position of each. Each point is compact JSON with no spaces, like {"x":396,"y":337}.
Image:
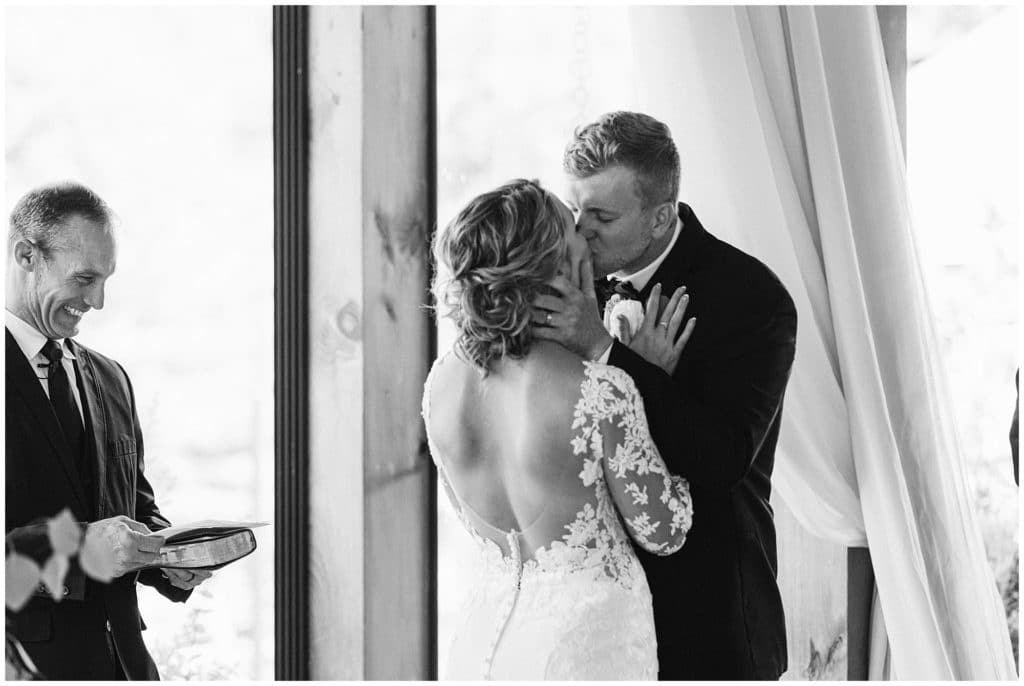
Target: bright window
{"x":964,"y":176}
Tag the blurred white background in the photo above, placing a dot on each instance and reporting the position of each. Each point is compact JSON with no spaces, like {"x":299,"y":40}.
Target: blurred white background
{"x":167,"y":114}
{"x":963,"y":170}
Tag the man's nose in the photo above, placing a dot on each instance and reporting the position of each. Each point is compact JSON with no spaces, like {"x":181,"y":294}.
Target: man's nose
{"x":94,"y":298}
{"x":583,"y":229}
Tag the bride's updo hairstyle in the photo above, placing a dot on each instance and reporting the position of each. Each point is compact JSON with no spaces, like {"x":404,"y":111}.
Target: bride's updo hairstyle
{"x":497,"y":252}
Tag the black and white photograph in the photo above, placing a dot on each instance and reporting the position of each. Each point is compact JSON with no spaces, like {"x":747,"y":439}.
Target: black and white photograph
{"x":512,"y":342}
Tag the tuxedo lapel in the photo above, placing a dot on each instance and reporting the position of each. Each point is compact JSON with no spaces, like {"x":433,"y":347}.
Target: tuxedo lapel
{"x":22,"y":380}
{"x":95,"y":413}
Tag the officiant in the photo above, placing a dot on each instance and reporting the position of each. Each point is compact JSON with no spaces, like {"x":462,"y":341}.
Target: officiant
{"x":73,"y":441}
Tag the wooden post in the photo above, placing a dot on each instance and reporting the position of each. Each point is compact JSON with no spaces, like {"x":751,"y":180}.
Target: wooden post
{"x":860,"y":588}
{"x":892,"y":21}
{"x":371,"y":494}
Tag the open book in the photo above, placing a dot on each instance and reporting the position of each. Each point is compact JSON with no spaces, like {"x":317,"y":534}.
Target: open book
{"x":207,"y":544}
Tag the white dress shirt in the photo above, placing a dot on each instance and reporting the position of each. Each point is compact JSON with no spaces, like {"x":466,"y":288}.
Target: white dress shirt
{"x":31,"y":343}
{"x":641,"y":277}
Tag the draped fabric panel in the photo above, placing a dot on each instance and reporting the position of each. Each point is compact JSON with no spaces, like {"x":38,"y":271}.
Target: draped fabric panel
{"x":790,"y":149}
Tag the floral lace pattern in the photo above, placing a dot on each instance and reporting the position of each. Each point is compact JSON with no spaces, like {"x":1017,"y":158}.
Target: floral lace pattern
{"x":609,"y":396}
{"x":585,"y":593}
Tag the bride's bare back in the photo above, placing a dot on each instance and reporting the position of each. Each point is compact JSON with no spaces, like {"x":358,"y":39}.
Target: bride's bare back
{"x":548,"y":461}
{"x":506,"y":441}
{"x":539,"y":444}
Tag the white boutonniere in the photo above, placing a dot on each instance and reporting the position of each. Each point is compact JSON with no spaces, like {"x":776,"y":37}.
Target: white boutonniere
{"x":618,"y":306}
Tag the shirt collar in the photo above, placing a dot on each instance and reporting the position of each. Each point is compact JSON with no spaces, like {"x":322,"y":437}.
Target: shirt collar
{"x":29,"y":339}
{"x":639,"y":278}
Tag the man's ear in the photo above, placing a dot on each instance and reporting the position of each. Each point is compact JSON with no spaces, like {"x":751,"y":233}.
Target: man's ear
{"x":27,"y":255}
{"x":665,"y":217}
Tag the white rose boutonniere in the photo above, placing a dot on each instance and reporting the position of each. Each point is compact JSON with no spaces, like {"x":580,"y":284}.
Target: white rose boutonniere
{"x":617,"y":306}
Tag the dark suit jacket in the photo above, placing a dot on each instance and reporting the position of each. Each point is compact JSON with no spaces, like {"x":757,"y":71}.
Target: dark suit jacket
{"x":75,"y":638}
{"x":717,"y":606}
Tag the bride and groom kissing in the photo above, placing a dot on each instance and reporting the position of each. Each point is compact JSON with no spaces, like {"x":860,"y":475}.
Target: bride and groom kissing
{"x":618,"y":488}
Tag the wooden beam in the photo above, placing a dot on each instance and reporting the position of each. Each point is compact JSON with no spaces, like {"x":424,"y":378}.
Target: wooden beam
{"x":860,"y":587}
{"x":291,"y":409}
{"x":372,"y":198}
{"x":398,"y":193}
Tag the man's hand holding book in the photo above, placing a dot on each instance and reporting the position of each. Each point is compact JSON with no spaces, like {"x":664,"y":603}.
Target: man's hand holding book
{"x":186,"y":579}
{"x":202,"y":546}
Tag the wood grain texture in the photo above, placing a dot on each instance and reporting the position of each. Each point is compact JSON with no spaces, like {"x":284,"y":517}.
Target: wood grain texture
{"x":397,"y":200}
{"x":371,"y":214}
{"x":336,"y":346}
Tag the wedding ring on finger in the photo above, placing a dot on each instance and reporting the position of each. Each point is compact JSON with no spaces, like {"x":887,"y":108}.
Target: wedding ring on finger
{"x":665,"y":324}
{"x":547,"y":319}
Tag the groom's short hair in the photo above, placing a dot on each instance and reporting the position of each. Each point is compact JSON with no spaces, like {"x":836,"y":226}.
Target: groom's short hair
{"x":631,"y":139}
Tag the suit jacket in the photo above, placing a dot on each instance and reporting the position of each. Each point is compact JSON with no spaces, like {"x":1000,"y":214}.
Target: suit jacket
{"x":717,"y":607}
{"x":96,"y":626}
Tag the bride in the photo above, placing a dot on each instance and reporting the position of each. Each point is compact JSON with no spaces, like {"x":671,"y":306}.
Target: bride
{"x":546,"y":458}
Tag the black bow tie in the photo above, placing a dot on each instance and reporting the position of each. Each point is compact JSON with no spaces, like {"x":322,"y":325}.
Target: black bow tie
{"x":606,"y":288}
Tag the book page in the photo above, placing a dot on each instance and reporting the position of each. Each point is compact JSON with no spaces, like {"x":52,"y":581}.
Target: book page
{"x":205,"y":524}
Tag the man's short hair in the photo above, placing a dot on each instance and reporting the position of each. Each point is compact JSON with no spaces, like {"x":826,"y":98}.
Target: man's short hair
{"x":41,"y":213}
{"x":631,"y":139}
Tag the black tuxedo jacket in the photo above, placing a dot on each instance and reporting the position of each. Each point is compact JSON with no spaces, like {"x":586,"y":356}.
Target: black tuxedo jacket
{"x":96,"y":627}
{"x":715,"y":421}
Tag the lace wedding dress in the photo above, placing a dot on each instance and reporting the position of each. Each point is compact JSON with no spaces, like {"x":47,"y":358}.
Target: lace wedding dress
{"x":577,"y":607}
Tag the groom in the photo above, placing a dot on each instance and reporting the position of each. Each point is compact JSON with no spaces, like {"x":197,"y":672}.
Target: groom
{"x":714,"y":416}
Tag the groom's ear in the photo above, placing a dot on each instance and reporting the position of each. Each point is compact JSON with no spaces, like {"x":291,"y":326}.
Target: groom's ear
{"x":664,"y":219}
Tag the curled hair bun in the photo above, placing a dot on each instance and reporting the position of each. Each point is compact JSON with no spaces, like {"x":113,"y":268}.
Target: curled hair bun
{"x":498,"y":251}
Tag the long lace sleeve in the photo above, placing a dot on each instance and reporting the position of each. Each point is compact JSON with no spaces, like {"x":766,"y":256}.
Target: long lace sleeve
{"x":654,"y":505}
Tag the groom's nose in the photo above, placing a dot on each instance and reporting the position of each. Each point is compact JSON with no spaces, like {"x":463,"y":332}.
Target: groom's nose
{"x":583,"y":230}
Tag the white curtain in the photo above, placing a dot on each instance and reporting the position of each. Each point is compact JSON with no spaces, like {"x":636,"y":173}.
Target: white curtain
{"x":790,"y":150}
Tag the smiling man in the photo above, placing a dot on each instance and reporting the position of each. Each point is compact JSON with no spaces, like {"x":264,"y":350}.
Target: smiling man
{"x":714,"y":412}
{"x":73,"y":441}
